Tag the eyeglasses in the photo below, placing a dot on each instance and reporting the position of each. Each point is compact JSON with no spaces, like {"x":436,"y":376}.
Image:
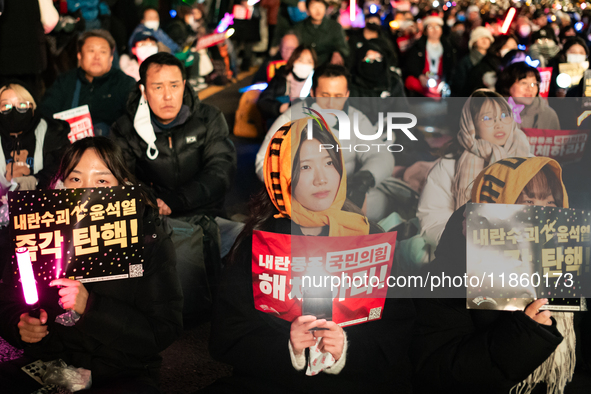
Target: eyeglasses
{"x":526,"y":85}
{"x":489,"y":121}
{"x":22,"y":107}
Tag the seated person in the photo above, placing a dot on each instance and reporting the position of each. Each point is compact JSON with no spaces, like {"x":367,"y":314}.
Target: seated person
{"x":267,"y":70}
{"x":32,"y":144}
{"x":488,"y":133}
{"x":177,"y":145}
{"x":522,"y":82}
{"x":94,"y":83}
{"x":325,"y":35}
{"x":372,"y":32}
{"x":122,"y":324}
{"x":487,"y":351}
{"x":143,"y":45}
{"x":151,"y":22}
{"x":286,"y":86}
{"x":367,"y":169}
{"x":270,"y":354}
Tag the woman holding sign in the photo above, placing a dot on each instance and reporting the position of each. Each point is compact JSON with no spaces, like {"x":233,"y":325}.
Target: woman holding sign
{"x":464,"y":350}
{"x":488,"y":133}
{"x":271,"y":354}
{"x":114,"y":328}
{"x":31,"y":144}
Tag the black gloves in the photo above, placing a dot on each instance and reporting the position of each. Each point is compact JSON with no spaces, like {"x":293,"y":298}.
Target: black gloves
{"x":358,"y":185}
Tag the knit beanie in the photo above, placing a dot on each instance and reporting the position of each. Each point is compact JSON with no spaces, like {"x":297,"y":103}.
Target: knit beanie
{"x":478,"y":33}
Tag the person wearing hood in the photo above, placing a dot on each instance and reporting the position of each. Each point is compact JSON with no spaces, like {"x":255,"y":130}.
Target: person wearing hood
{"x":574,"y":51}
{"x":287,"y":84}
{"x":480,"y":40}
{"x":544,"y":46}
{"x":429,"y":58}
{"x":32,"y":144}
{"x":520,"y":82}
{"x":143,"y":45}
{"x":372,"y":75}
{"x":484,"y":74}
{"x":176,"y":144}
{"x":372,"y":32}
{"x":367,"y":169}
{"x":464,"y":350}
{"x":95,"y":83}
{"x":488,"y":133}
{"x":272,"y":355}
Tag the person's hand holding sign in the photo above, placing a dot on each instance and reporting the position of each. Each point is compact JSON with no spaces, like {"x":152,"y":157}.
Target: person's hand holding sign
{"x":300,"y":335}
{"x":73,"y":294}
{"x":32,"y":330}
{"x":533,"y":311}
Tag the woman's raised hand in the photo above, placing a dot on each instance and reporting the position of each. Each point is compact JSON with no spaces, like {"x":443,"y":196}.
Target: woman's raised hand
{"x":73,"y":294}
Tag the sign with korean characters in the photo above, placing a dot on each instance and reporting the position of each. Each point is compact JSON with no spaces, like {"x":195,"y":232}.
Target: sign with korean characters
{"x":519,"y":253}
{"x":80,"y":122}
{"x":564,"y":146}
{"x":342,"y":279}
{"x":83,"y":234}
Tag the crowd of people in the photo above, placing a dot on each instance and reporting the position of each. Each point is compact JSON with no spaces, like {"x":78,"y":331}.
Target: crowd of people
{"x":136,"y":67}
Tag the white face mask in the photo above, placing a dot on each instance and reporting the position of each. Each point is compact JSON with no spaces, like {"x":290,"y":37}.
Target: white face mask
{"x":302,"y":70}
{"x":142,"y":53}
{"x":152,"y":25}
{"x":575,"y":58}
{"x":524,"y":30}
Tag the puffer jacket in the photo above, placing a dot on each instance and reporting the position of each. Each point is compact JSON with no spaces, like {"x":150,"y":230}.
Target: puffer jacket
{"x":196,"y":159}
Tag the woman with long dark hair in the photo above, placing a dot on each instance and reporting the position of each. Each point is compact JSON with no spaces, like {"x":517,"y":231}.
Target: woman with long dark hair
{"x":269,"y":354}
{"x":120,"y":325}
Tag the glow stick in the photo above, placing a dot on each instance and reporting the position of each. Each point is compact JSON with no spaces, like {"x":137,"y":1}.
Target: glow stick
{"x":352,"y":11}
{"x":25,"y":270}
{"x":508,"y":20}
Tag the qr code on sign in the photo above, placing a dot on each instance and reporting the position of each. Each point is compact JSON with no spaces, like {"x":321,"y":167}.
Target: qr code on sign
{"x":136,"y":270}
{"x":375,"y":313}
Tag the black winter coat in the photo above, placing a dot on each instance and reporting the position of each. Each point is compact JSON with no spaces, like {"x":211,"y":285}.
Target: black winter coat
{"x":415,"y":59}
{"x":488,"y":63}
{"x":473,"y":351}
{"x":22,"y":148}
{"x":126,"y":324}
{"x":267,"y":102}
{"x":256,"y":343}
{"x":196,"y":159}
{"x":105,"y":96}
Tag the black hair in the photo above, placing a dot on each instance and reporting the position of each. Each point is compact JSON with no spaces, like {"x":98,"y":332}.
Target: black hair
{"x":500,"y":42}
{"x":100,"y":33}
{"x":109,"y":152}
{"x":572,"y":41}
{"x":542,"y":185}
{"x":308,"y":2}
{"x":147,"y":8}
{"x":297,"y":53}
{"x":515,"y":73}
{"x":160,"y":59}
{"x":330,"y":71}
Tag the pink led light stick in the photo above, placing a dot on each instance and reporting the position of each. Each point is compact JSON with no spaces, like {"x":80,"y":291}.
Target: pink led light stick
{"x":25,"y":269}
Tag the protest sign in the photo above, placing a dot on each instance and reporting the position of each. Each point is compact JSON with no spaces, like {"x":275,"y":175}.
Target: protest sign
{"x":83,"y":234}
{"x":80,"y":122}
{"x":564,"y":146}
{"x":524,"y":252}
{"x":545,"y":78}
{"x":347,"y":273}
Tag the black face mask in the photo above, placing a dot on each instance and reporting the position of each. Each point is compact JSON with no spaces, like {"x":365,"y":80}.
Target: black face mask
{"x":15,"y":122}
{"x":372,"y":72}
{"x":373,"y":26}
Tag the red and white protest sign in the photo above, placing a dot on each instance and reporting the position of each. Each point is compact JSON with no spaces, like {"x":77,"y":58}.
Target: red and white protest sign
{"x":545,"y":77}
{"x":210,"y":40}
{"x":564,"y":146}
{"x":355,"y":269}
{"x":80,"y":122}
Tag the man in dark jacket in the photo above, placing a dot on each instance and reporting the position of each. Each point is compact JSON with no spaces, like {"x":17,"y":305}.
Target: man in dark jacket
{"x":175,"y":144}
{"x":324,"y":35}
{"x":94,"y":83}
